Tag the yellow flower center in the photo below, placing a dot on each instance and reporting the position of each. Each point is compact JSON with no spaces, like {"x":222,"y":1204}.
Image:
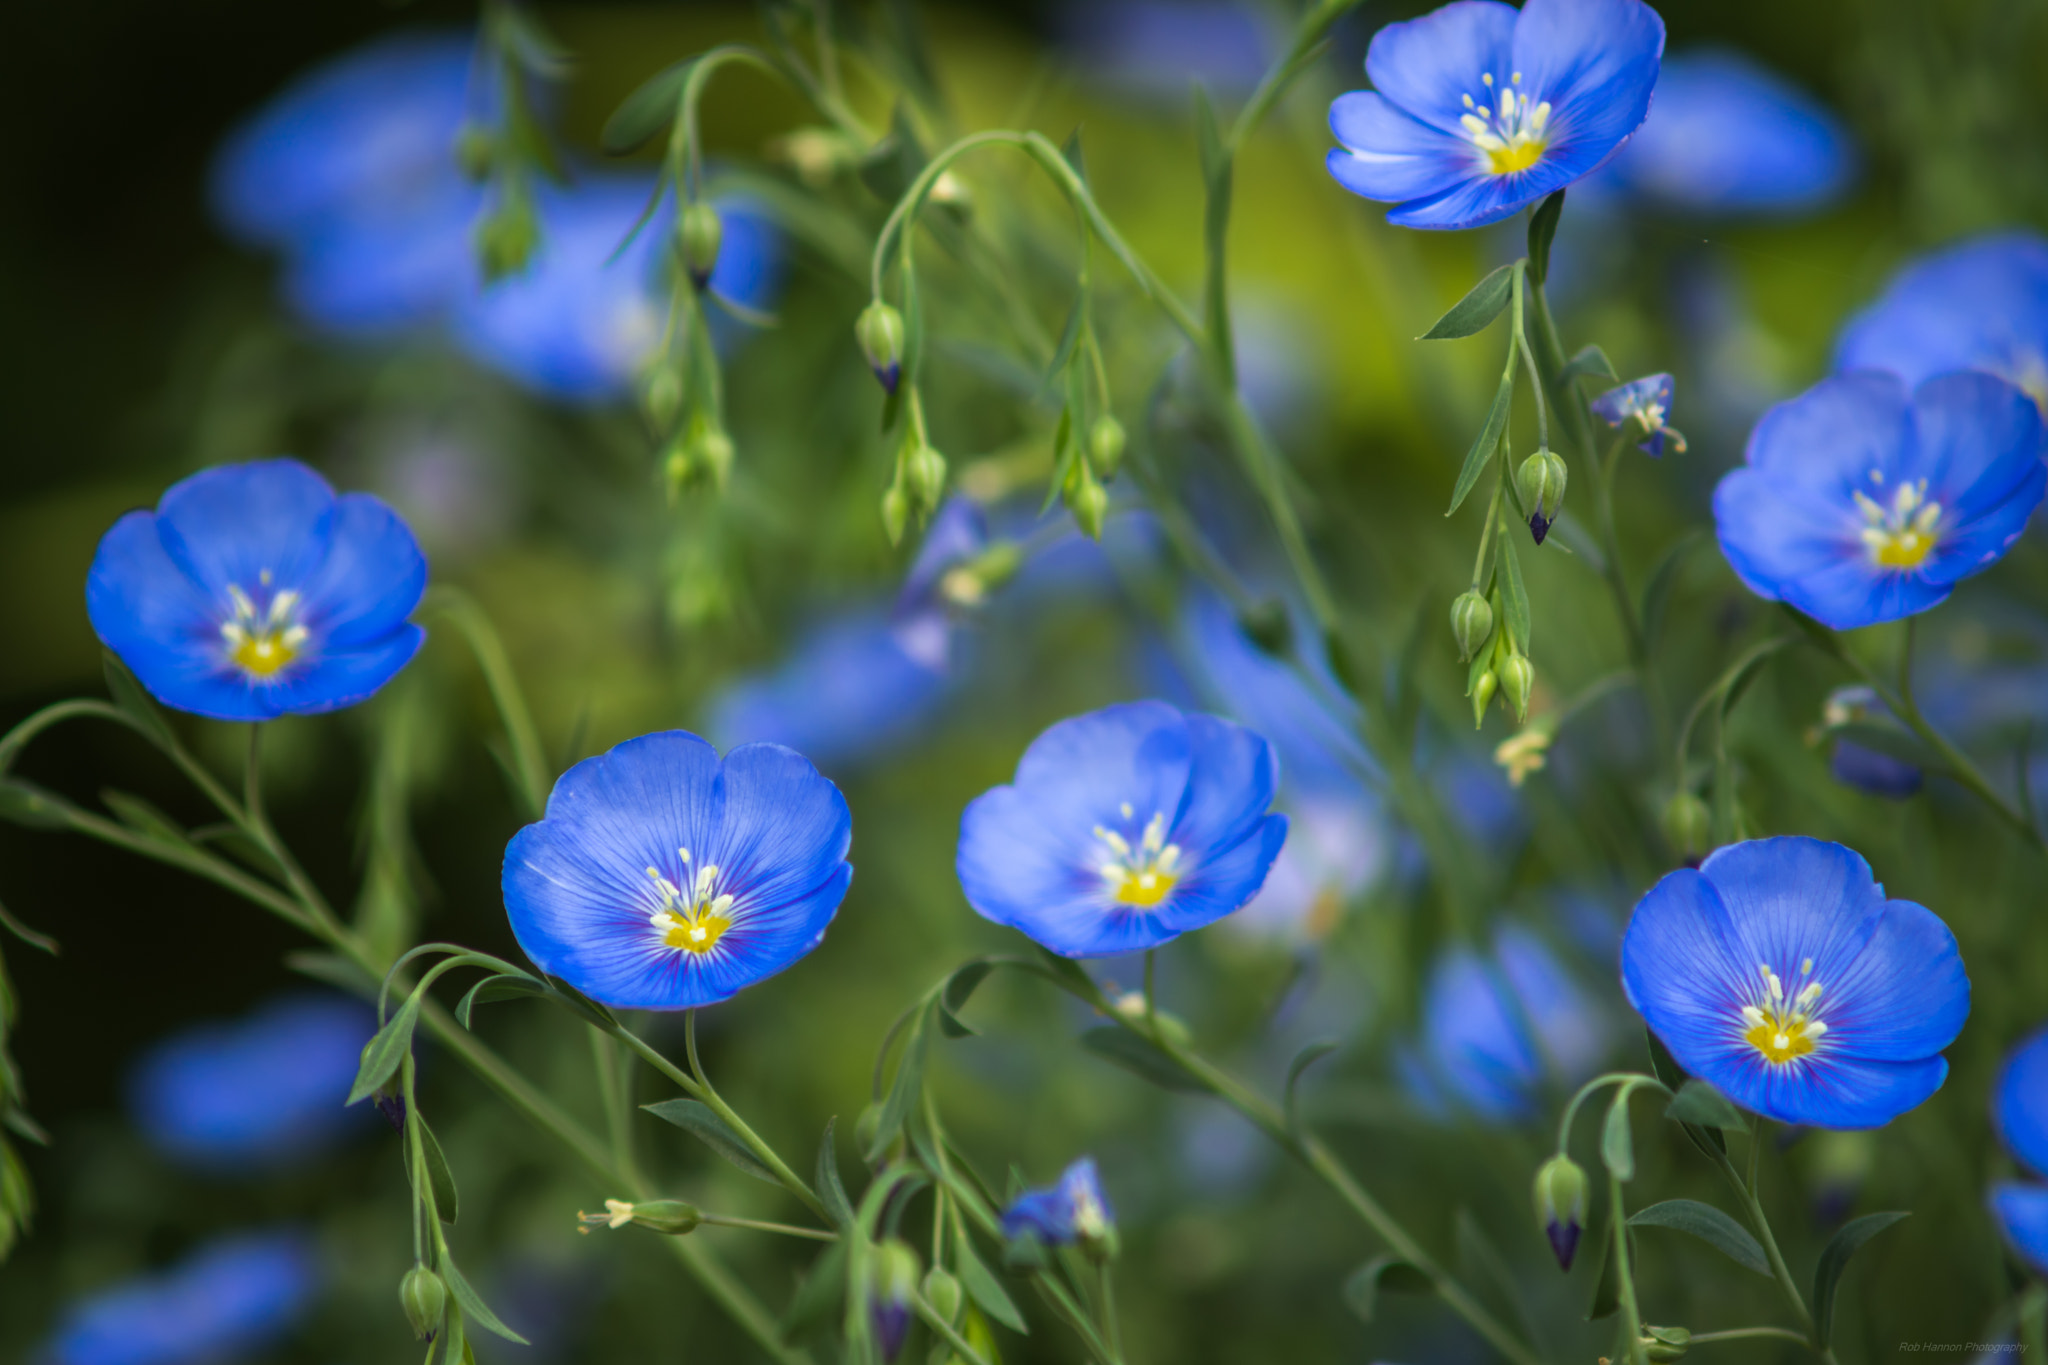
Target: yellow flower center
{"x":692,"y":922}
{"x":1901,"y":534}
{"x":1782,"y":1029}
{"x":262,"y":643}
{"x":1143,"y":875}
{"x":1512,"y":133}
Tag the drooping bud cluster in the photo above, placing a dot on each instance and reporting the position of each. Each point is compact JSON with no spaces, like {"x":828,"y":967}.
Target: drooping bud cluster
{"x":1561,"y":1206}
{"x":701,"y":455}
{"x":1540,"y":485}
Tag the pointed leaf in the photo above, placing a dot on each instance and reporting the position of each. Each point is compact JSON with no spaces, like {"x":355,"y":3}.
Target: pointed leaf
{"x":442,"y":1180}
{"x":1711,"y":1226}
{"x":958,"y":989}
{"x":1134,"y":1054}
{"x":985,"y":1289}
{"x":143,"y":817}
{"x":831,"y":1190}
{"x":383,"y":1053}
{"x":478,"y":1311}
{"x":1303,"y":1060}
{"x":648,"y":110}
{"x":26,"y":804}
{"x":903,"y":1091}
{"x":1475,"y":312}
{"x":1071,"y":150}
{"x":819,"y":1296}
{"x":496,"y":988}
{"x":1592,"y":363}
{"x":26,"y":934}
{"x":1607,"y":1289}
{"x":1699,"y":1103}
{"x":1617,"y":1144}
{"x":128,"y":694}
{"x":1514,"y":597}
{"x":1542,"y":231}
{"x":1487,"y":441}
{"x":699,"y":1121}
{"x":1382,"y":1274}
{"x":1835,"y":1259}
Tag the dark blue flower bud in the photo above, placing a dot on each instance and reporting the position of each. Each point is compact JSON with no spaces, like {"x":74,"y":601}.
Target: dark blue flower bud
{"x":889,"y":1301}
{"x":1540,"y":483}
{"x":1561,"y":1205}
{"x":879,"y":329}
{"x":699,"y":234}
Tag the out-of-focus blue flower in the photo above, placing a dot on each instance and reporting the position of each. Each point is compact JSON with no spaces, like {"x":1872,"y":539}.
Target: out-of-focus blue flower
{"x":1478,"y":108}
{"x":1075,"y":1211}
{"x":1727,"y":136}
{"x":1859,"y":502}
{"x":1647,"y":403}
{"x":1155,"y":48}
{"x":663,"y":878}
{"x":1779,"y":973}
{"x":1495,"y":1030}
{"x":1859,"y":765}
{"x":2020,"y":1108}
{"x":584,"y":319}
{"x":1981,"y":305}
{"x":257,"y":1093}
{"x":1124,"y":829}
{"x":253,"y":591}
{"x":228,"y":1300}
{"x":1335,"y":849}
{"x":957,"y":536}
{"x":376,"y":277}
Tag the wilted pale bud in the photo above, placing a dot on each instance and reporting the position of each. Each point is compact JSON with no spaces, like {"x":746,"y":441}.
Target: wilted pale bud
{"x":1561,"y":1205}
{"x":1517,"y":681}
{"x":895,"y":1284}
{"x":942,"y":1291}
{"x":879,"y":329}
{"x":476,"y":151}
{"x":1090,"y":504}
{"x":424,"y":1297}
{"x":663,"y":397}
{"x":1688,"y":824}
{"x":1664,"y":1344}
{"x":1471,"y":623}
{"x":699,"y":233}
{"x":1106,"y":446}
{"x":1540,"y":482}
{"x":1482,"y":693}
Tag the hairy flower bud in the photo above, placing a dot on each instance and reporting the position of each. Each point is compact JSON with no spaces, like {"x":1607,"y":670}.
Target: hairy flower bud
{"x":424,"y":1297}
{"x":699,"y":233}
{"x":879,"y":329}
{"x":1106,"y":446}
{"x":1561,"y":1205}
{"x":1540,"y":483}
{"x":1688,"y":824}
{"x":942,"y":1291}
{"x":1471,"y":623}
{"x":1517,"y":681}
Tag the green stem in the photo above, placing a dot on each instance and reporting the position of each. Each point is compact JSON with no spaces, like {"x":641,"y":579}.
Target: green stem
{"x":1105,"y":1306}
{"x":1744,"y":1333}
{"x":1624,"y":1273}
{"x":934,"y":1320}
{"x":528,"y":763}
{"x":1308,"y":34}
{"x":786,"y":1229}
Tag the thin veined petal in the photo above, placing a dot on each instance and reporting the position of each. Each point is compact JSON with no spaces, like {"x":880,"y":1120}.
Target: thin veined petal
{"x":1595,"y":62}
{"x":1390,"y":156}
{"x":1425,"y":67}
{"x":1231,"y":776}
{"x":1905,"y":995}
{"x":334,"y":678}
{"x":234,"y":524}
{"x":1227,"y":881}
{"x":1134,"y":754}
{"x":1980,"y":305}
{"x":371,"y":579}
{"x":784,"y":828}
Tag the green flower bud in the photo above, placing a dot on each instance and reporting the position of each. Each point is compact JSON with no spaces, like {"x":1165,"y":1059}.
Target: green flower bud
{"x":1471,"y":623}
{"x":1482,"y":693}
{"x":505,"y":241}
{"x":1689,"y":825}
{"x":699,"y":233}
{"x":866,"y":1126}
{"x":927,"y":469}
{"x":895,"y":512}
{"x":1106,"y":446}
{"x":943,"y":1292}
{"x":1561,"y":1205}
{"x":1517,"y":681}
{"x":896,"y":1270}
{"x":1089,"y":504}
{"x":424,"y":1297}
{"x":663,"y":397}
{"x":879,"y":329}
{"x":671,"y":1217}
{"x":1540,"y":482}
{"x":1664,"y":1344}
{"x":476,"y":151}
{"x":701,"y":455}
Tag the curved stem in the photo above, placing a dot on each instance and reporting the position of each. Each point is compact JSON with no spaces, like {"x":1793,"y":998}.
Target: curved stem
{"x":1745,"y":1333}
{"x":1588,"y":1090}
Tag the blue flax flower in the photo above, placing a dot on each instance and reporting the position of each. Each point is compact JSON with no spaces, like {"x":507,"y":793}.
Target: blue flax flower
{"x":1727,"y":136}
{"x":1125,"y":828}
{"x":1779,"y":973}
{"x":253,"y":591}
{"x":229,"y":1300}
{"x":665,"y":879}
{"x":2020,"y":1107}
{"x":1074,"y":1211}
{"x":1495,"y":1030}
{"x":258,"y":1093}
{"x":1478,"y":109}
{"x":1982,"y":305}
{"x":1646,"y":402}
{"x":1858,"y":765}
{"x":1860,"y":502}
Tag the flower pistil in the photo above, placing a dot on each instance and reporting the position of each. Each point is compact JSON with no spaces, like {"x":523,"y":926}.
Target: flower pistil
{"x":1513,"y":138}
{"x":1784,"y":1030}
{"x":696,"y":921}
{"x":1903,"y":535}
{"x":1142,"y":876}
{"x":262,"y":643}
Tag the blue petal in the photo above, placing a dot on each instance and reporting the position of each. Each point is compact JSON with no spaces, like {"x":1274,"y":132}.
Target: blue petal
{"x":336,"y":678}
{"x":1020,"y":868}
{"x":1837,"y":1091}
{"x":1976,"y":440}
{"x":1224,"y":882}
{"x":370,"y":278}
{"x":1773,"y":540}
{"x":232,"y":1298}
{"x":1231,"y":776}
{"x":784,"y":830}
{"x":233,"y":524}
{"x":1826,"y":441}
{"x":1486,"y":198}
{"x":371,"y":580}
{"x":1572,"y":1034}
{"x":2022,"y":1212}
{"x":1391,"y":157}
{"x":1868,"y":770}
{"x":2021,"y":1103}
{"x":1087,"y":768}
{"x":1981,"y":305}
{"x":144,"y":608}
{"x":1425,"y":67}
{"x":1596,"y":62}
{"x":1048,"y":1214}
{"x":1682,"y":971}
{"x":1476,"y":1037}
{"x":1982,"y":541}
{"x":1793,"y":898}
{"x":1905,"y":996}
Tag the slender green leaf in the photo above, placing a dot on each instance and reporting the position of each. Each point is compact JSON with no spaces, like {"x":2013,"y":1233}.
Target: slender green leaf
{"x":383,"y":1053}
{"x":473,"y":1305}
{"x":831,"y":1189}
{"x":1382,"y":1274}
{"x":818,"y":1298}
{"x":442,"y":1180}
{"x":26,"y":804}
{"x":1827,"y":1276}
{"x":1141,"y":1058}
{"x":1069,"y":975}
{"x":648,"y":110}
{"x":958,"y":989}
{"x":1543,"y":231}
{"x":1617,"y":1144}
{"x":699,"y":1121}
{"x":903,"y":1091}
{"x":1217,"y":174}
{"x":1475,"y":312}
{"x":1663,"y":579}
{"x":1699,"y":1103}
{"x":985,"y":1289}
{"x":496,"y":988}
{"x":1487,"y":442}
{"x":1607,"y":1288}
{"x":143,"y":817}
{"x":1711,"y":1226}
{"x":26,"y":934}
{"x":1303,"y":1060}
{"x":1591,"y":363}
{"x":1071,"y":150}
{"x":583,"y":1004}
{"x":128,"y":694}
{"x":1514,"y":596}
